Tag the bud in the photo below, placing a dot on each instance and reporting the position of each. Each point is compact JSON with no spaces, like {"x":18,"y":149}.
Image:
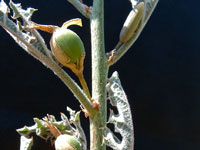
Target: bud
{"x":67,"y":142}
{"x":67,"y":47}
{"x":132,"y":22}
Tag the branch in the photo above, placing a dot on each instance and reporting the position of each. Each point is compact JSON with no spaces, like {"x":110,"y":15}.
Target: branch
{"x":82,"y":8}
{"x":75,"y":89}
{"x":68,"y":81}
{"x":36,"y":49}
{"x":149,"y":8}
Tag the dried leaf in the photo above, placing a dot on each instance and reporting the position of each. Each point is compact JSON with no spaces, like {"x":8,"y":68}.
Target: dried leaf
{"x":122,"y":121}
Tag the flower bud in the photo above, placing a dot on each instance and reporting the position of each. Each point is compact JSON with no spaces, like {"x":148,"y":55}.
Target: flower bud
{"x":67,"y":142}
{"x":132,"y":22}
{"x":67,"y":47}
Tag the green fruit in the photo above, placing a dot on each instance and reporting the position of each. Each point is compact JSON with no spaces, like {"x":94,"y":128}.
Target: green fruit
{"x":67,"y":46}
{"x":67,"y":142}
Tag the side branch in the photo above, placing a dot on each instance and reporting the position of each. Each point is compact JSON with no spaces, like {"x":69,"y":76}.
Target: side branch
{"x":82,"y":8}
{"x":67,"y":80}
{"x":115,"y":55}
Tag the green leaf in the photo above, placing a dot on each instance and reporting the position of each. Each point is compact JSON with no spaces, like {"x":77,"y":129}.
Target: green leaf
{"x":41,"y":129}
{"x":19,"y":12}
{"x":38,"y":122}
{"x":122,"y":121}
{"x":64,"y":123}
{"x":23,"y":131}
{"x":26,"y":131}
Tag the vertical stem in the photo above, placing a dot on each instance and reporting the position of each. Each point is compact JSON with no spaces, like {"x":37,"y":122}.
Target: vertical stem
{"x":99,"y":75}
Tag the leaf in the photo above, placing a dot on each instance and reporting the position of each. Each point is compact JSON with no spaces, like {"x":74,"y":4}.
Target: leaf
{"x":41,"y":128}
{"x":122,"y":121}
{"x":26,"y":131}
{"x":26,"y":143}
{"x":19,"y":12}
{"x":31,"y":42}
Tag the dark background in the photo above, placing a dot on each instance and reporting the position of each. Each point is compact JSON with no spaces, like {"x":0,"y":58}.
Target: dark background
{"x":160,"y":74}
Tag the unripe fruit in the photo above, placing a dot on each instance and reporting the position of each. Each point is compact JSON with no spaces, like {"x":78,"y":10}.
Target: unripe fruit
{"x":67,"y":46}
{"x":67,"y":142}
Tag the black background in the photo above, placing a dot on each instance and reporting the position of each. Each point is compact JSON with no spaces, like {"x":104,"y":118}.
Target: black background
{"x":160,"y":74}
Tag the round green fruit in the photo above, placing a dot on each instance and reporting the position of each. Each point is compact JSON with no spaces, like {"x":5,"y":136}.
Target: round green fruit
{"x":67,"y":142}
{"x":67,"y":46}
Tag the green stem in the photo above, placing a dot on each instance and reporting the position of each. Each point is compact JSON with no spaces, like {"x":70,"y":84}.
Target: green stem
{"x":84,"y":84}
{"x":99,"y":75}
{"x":67,"y":80}
{"x":84,"y":100}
